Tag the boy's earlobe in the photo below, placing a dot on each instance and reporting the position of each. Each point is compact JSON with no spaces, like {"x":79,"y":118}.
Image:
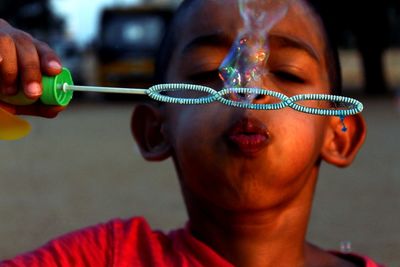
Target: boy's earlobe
{"x":146,"y":126}
{"x":341,"y":147}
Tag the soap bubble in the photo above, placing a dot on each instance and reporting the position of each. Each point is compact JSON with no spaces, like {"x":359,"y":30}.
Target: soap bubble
{"x":262,"y":15}
{"x":246,"y":61}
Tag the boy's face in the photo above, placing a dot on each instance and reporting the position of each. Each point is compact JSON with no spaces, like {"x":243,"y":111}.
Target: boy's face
{"x":246,"y":159}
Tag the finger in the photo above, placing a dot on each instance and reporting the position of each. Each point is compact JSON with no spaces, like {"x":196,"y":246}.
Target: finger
{"x":8,"y":107}
{"x":39,"y":110}
{"x":50,"y":111}
{"x":8,"y":65}
{"x":50,"y":63}
{"x":28,"y":65}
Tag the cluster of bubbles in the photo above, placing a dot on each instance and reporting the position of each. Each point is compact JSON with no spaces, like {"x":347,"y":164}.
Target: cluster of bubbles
{"x":246,"y":61}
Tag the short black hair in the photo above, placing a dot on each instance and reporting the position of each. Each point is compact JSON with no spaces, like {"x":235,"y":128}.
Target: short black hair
{"x":168,"y":45}
{"x":331,"y":44}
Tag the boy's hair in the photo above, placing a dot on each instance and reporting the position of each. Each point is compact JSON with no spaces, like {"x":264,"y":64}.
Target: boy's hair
{"x":331,"y":52}
{"x":168,"y":45}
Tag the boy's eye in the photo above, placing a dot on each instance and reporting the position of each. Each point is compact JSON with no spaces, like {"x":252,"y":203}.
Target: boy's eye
{"x":287,"y":76}
{"x":207,"y":78}
{"x":205,"y":75}
{"x":211,"y":78}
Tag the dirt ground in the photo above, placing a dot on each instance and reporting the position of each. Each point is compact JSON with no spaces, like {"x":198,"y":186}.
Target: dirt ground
{"x":83,"y":168}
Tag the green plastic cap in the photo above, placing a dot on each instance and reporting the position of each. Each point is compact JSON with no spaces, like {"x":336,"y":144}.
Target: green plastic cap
{"x":52,"y":89}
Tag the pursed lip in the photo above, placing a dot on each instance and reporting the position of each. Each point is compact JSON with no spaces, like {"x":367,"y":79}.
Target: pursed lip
{"x":248,"y":136}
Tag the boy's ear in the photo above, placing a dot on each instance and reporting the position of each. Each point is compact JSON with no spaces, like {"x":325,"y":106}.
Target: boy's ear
{"x":147,"y":129}
{"x":341,"y":147}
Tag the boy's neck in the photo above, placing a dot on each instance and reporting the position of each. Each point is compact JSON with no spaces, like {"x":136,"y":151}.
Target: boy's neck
{"x":263,"y":238}
{"x":260,"y":244}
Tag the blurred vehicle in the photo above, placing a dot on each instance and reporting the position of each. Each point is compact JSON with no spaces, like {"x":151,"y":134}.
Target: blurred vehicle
{"x":128,"y":43}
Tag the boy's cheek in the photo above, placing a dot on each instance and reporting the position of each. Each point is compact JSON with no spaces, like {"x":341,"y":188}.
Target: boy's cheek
{"x":298,"y":132}
{"x":203,"y":116}
{"x":192,"y":125}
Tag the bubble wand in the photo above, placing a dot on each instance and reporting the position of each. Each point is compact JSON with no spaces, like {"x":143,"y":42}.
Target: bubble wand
{"x":58,"y":90}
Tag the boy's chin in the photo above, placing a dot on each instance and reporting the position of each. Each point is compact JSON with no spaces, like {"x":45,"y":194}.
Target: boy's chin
{"x":248,"y":209}
{"x":247,"y":202}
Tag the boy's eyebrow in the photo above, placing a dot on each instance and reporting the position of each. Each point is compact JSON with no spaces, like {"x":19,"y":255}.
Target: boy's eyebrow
{"x":219,"y":39}
{"x":291,"y":41}
{"x":213,"y":39}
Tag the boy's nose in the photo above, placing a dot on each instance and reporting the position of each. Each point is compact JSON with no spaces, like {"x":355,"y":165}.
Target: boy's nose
{"x":265,"y":99}
{"x":264,"y":83}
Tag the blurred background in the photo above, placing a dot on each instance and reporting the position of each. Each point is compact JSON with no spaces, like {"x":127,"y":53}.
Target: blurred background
{"x":83,"y":167}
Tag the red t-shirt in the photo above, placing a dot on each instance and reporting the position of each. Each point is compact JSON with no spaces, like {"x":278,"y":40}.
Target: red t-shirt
{"x":128,"y":243}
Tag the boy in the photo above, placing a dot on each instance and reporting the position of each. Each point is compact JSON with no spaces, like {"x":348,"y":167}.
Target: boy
{"x":247,"y":176}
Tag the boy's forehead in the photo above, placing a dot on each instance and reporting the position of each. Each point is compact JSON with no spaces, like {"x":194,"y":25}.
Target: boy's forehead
{"x":204,"y":17}
{"x":222,"y":17}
